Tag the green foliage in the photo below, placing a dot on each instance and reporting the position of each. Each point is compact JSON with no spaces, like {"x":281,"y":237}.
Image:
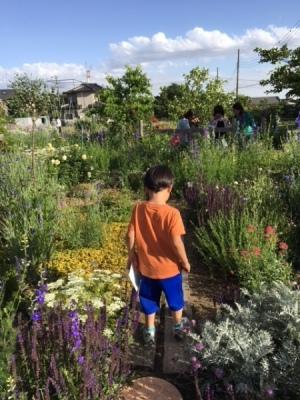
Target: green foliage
{"x":3,"y":120}
{"x":28,"y":214}
{"x":167,"y":95}
{"x":286,"y":75}
{"x":7,"y":339}
{"x":254,"y":347}
{"x":115,"y":205}
{"x":199,"y":93}
{"x":236,"y":242}
{"x":79,"y":229}
{"x":74,"y":164}
{"x":126,"y":101}
{"x":31,"y":98}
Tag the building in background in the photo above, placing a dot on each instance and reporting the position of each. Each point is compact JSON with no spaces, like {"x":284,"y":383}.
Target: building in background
{"x":79,"y":99}
{"x":5,"y":95}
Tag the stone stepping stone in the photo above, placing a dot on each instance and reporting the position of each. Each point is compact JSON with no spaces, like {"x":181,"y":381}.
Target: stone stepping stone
{"x":150,"y":388}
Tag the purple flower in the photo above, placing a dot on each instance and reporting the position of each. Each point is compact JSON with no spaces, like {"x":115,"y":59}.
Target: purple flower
{"x":199,"y":347}
{"x":75,"y":330}
{"x":80,"y":360}
{"x":195,"y":364}
{"x":219,"y":373}
{"x":36,"y":316}
{"x":269,"y":392}
{"x":40,"y":294}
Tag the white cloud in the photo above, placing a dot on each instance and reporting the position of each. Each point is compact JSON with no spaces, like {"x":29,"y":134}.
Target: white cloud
{"x":195,"y":43}
{"x":165,"y":59}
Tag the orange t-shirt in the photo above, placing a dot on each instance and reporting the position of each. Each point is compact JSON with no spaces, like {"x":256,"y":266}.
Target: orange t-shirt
{"x":154,"y":225}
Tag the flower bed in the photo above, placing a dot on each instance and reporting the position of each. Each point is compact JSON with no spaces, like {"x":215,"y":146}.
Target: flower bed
{"x":112,"y":256}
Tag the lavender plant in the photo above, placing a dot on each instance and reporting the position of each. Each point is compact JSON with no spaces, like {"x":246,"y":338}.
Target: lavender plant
{"x":211,"y":200}
{"x":61,"y":357}
{"x":28,"y":213}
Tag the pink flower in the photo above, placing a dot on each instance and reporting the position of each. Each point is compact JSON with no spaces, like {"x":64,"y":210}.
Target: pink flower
{"x":270,"y":231}
{"x":283,"y":246}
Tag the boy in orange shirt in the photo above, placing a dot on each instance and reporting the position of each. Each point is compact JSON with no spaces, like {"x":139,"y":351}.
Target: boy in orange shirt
{"x":156,"y":250}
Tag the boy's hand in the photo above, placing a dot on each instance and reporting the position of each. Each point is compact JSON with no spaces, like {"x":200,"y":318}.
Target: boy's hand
{"x":186,"y":267}
{"x":132,"y":260}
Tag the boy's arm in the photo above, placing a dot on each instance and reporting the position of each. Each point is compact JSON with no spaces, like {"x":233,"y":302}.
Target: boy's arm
{"x":132,"y":258}
{"x":180,"y":252}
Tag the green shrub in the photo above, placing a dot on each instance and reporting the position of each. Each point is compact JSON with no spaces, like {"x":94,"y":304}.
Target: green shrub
{"x":252,"y":351}
{"x":28,"y":214}
{"x":79,"y":228}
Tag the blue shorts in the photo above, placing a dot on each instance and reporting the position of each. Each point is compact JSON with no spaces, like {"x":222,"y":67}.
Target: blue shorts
{"x":151,"y":289}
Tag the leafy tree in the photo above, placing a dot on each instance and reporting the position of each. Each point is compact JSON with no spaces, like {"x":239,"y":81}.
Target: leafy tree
{"x":31,"y":97}
{"x":3,"y":120}
{"x":167,"y":94}
{"x":286,"y":74}
{"x":126,"y":101}
{"x":200,"y":93}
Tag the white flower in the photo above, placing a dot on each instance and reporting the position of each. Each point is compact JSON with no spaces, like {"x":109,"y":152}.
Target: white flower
{"x":64,"y":157}
{"x":217,"y":187}
{"x":84,"y":157}
{"x":89,"y":174}
{"x":76,"y":145}
{"x":53,"y":162}
{"x":236,"y":182}
{"x":245,"y":180}
{"x":92,"y":168}
{"x":108,"y":333}
{"x":97,"y":303}
{"x":260,"y":169}
{"x":57,"y":162}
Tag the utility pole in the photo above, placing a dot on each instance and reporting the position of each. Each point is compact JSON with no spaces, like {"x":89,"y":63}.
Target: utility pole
{"x":217,"y":73}
{"x":237,"y":75}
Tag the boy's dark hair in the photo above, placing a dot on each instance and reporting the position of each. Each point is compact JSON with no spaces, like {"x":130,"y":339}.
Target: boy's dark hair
{"x":158,"y":178}
{"x":238,"y":106}
{"x":219,"y":110}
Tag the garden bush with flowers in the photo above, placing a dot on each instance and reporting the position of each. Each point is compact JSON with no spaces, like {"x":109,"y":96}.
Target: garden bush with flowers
{"x":69,"y":337}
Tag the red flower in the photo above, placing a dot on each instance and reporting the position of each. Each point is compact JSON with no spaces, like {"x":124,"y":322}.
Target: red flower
{"x":270,"y":232}
{"x":256,"y":251}
{"x":283,"y":246}
{"x":251,"y":228}
{"x":175,"y":140}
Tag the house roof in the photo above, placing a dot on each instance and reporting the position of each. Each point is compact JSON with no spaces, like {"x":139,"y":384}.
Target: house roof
{"x":269,"y":100}
{"x":85,"y":87}
{"x":6,"y":94}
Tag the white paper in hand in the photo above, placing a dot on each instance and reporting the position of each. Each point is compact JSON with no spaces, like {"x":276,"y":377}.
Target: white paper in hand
{"x":135,"y":278}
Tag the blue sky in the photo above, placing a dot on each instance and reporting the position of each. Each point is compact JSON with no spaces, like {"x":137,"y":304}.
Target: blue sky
{"x":63,"y":38}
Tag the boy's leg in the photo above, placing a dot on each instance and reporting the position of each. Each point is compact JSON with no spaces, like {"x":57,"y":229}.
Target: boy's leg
{"x":149,"y":294}
{"x":172,"y":287}
{"x":177,"y":316}
{"x":150,"y":321}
